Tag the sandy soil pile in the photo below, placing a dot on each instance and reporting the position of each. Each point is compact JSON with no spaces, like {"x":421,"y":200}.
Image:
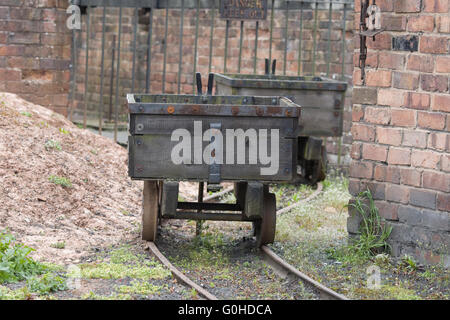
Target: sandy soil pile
{"x":101,"y":207}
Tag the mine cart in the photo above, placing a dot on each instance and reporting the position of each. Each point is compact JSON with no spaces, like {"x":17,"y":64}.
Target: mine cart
{"x":322,"y":102}
{"x":211,"y":139}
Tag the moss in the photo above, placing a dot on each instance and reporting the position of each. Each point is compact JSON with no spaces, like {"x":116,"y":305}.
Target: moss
{"x":140,"y":288}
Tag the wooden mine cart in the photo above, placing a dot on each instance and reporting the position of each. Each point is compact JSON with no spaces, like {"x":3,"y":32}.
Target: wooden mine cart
{"x":322,"y":102}
{"x":156,"y":123}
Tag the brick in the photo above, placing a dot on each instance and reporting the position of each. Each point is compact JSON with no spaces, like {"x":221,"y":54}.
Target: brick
{"x":420,"y":101}
{"x":422,"y":198}
{"x":430,"y":44}
{"x":411,"y":177}
{"x":353,"y":186}
{"x":378,"y":78}
{"x":390,"y":136}
{"x":423,"y":218}
{"x":355,"y":152}
{"x":443,"y":202}
{"x":408,"y":81}
{"x":393,"y":23}
{"x":387,"y":173}
{"x":434,"y":83}
{"x":443,"y":64}
{"x":445,"y":162}
{"x":363,"y":132}
{"x":371,"y":59}
{"x":438,"y":6}
{"x":385,"y":5}
{"x":4,"y":13}
{"x":439,"y":141}
{"x":365,"y":95}
{"x":403,"y":117}
{"x":361,"y":170}
{"x":399,"y":156}
{"x":10,"y":75}
{"x":357,"y":113}
{"x":404,"y":6}
{"x":382,"y":41}
{"x":390,"y":97}
{"x":425,"y":159}
{"x":24,"y":38}
{"x":430,"y":120}
{"x":377,"y":115}
{"x":12,"y":50}
{"x":443,"y":24}
{"x":390,"y":60}
{"x":374,"y":152}
{"x":414,"y":138}
{"x":376,"y":189}
{"x":421,"y":23}
{"x":397,"y":193}
{"x":436,"y":180}
{"x":422,"y":63}
{"x":405,"y":43}
{"x":387,"y":210}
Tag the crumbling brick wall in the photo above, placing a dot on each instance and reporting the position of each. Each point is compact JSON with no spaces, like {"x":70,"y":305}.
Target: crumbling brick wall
{"x":401,"y":124}
{"x":35,"y":51}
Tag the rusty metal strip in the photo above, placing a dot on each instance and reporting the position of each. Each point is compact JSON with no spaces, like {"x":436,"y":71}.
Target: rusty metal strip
{"x":297,"y":204}
{"x":218,"y":194}
{"x":178,"y":274}
{"x":325,"y":293}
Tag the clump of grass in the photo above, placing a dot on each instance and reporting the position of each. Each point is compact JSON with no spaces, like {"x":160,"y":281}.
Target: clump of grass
{"x":123,"y":263}
{"x":409,"y":263}
{"x":373,"y":233}
{"x":142,"y":288}
{"x":62,"y":181}
{"x":63,"y":131}
{"x":52,"y":145}
{"x":26,"y":114}
{"x":59,"y":245}
{"x":18,"y":294}
{"x":15,"y":263}
{"x":93,"y":296}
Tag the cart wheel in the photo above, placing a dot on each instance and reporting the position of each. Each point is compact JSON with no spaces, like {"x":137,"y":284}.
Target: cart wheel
{"x":150,"y":209}
{"x":265,"y":228}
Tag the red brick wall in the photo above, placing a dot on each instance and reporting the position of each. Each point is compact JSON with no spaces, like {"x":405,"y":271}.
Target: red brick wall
{"x":401,"y":124}
{"x":35,"y":51}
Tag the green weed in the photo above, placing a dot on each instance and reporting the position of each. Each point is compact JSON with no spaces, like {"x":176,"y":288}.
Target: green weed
{"x":59,"y":245}
{"x":15,"y":264}
{"x":62,"y":181}
{"x":52,"y":145}
{"x":47,"y":283}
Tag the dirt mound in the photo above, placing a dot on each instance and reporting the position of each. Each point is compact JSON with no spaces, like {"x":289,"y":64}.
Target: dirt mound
{"x":100,"y":205}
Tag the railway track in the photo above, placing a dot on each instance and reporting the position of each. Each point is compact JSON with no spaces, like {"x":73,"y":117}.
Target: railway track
{"x":280,"y":267}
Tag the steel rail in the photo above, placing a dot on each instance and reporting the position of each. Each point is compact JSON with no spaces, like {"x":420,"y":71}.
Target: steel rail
{"x":178,"y":274}
{"x":286,"y":269}
{"x":278,"y":263}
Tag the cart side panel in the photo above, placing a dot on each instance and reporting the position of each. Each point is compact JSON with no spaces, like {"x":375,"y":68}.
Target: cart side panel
{"x":151,"y":150}
{"x":321,"y":109}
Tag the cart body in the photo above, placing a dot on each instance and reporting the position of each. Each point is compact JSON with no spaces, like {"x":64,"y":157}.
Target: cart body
{"x":322,"y":99}
{"x":156,"y":120}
